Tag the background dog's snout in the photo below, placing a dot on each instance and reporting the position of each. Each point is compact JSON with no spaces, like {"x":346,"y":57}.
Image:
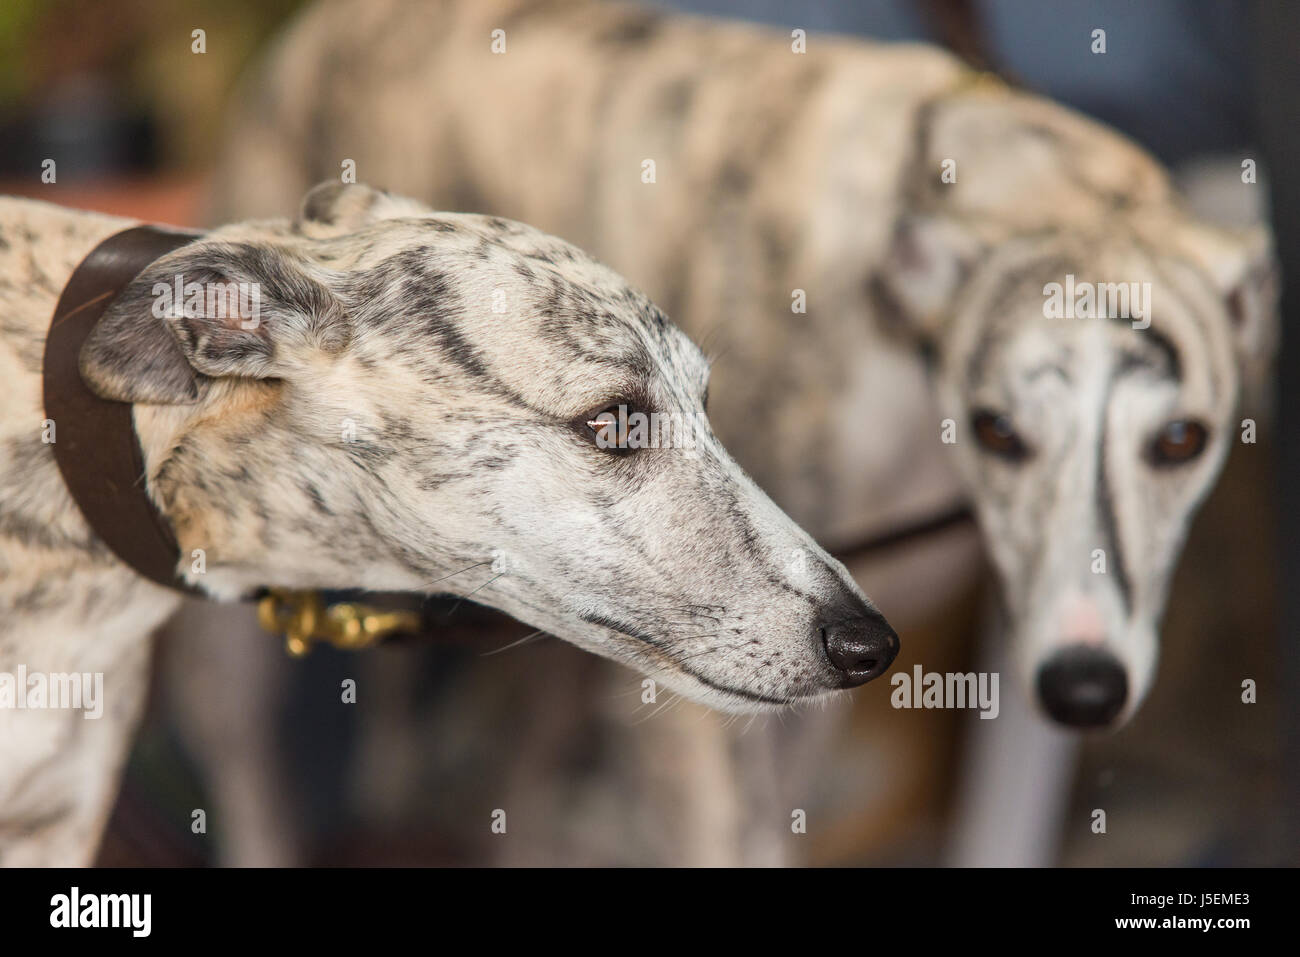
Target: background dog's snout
{"x":1083,"y":686}
{"x":860,"y":648}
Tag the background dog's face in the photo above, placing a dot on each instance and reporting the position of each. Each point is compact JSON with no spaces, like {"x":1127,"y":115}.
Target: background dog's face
{"x":1085,"y":443}
{"x":1092,"y":383}
{"x":453,"y":403}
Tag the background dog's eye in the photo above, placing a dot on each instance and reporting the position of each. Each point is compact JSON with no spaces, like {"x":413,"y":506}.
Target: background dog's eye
{"x":995,"y":433}
{"x":1179,"y":441}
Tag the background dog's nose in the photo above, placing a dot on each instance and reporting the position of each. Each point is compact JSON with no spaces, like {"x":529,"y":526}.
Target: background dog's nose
{"x":860,"y":648}
{"x":1083,"y":687}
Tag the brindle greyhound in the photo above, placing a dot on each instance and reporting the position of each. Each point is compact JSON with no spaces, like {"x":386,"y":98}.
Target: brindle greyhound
{"x":411,"y":401}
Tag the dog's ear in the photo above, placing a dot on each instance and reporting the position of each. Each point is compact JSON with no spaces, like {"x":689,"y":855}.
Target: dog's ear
{"x":1242,"y":267}
{"x":1251,"y":285}
{"x":210,"y":310}
{"x":928,"y":260}
{"x":332,"y":208}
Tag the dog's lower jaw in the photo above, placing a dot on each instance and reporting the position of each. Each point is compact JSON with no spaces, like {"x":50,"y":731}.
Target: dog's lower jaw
{"x":731,"y":699}
{"x":229,"y":581}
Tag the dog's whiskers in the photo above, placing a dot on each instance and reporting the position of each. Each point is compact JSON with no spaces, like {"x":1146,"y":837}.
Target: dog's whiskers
{"x":673,"y":700}
{"x":539,"y":633}
{"x":706,"y":651}
{"x":454,"y":574}
{"x":460,"y":601}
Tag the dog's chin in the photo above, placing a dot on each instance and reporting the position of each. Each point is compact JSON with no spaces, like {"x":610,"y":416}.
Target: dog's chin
{"x":626,"y":644}
{"x":735,"y":699}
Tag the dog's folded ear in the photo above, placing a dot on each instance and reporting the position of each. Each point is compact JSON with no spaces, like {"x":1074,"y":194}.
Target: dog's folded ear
{"x":1244,"y":271}
{"x":332,"y":208}
{"x":1251,"y":285}
{"x":209,"y":310}
{"x":928,"y":260}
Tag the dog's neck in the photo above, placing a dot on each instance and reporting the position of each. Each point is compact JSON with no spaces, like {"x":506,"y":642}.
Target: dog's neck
{"x":48,"y":553}
{"x":41,"y":526}
{"x":96,"y":448}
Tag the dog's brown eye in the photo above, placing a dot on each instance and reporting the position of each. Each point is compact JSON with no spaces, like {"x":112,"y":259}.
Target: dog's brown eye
{"x":609,"y":428}
{"x":995,"y":433}
{"x":1179,"y":441}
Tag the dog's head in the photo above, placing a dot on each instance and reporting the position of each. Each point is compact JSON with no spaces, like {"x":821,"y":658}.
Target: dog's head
{"x":1090,"y":343}
{"x":404,"y":400}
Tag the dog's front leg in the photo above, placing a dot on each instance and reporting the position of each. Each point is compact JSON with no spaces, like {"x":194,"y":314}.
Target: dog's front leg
{"x":74,"y":672}
{"x":59,"y":768}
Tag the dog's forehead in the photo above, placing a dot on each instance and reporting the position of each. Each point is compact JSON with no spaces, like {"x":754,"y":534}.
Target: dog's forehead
{"x":503,"y":301}
{"x":1136,"y":305}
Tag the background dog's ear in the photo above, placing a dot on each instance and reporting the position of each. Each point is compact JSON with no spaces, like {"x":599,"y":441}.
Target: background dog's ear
{"x":928,"y":261}
{"x":332,"y":208}
{"x":1251,"y":287}
{"x":1242,"y":267}
{"x":211,"y":309}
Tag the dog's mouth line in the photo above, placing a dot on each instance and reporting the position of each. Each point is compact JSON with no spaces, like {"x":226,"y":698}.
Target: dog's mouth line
{"x":727,"y":689}
{"x":637,"y":634}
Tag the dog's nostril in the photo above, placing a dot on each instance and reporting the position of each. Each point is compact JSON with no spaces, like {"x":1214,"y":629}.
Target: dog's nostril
{"x":1083,"y":687}
{"x":859,"y":648}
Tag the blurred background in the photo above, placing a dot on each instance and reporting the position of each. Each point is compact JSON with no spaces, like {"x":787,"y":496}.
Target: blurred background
{"x":134,"y":115}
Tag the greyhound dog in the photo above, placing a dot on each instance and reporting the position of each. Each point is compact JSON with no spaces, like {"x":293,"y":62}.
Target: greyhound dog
{"x":416,"y":403}
{"x":866,"y":236}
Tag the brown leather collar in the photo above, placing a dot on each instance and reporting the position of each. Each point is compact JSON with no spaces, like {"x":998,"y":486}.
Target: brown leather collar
{"x":95,"y":442}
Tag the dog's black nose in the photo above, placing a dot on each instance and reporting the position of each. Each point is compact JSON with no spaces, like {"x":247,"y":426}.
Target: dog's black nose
{"x":1083,"y":687}
{"x":860,"y":648}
